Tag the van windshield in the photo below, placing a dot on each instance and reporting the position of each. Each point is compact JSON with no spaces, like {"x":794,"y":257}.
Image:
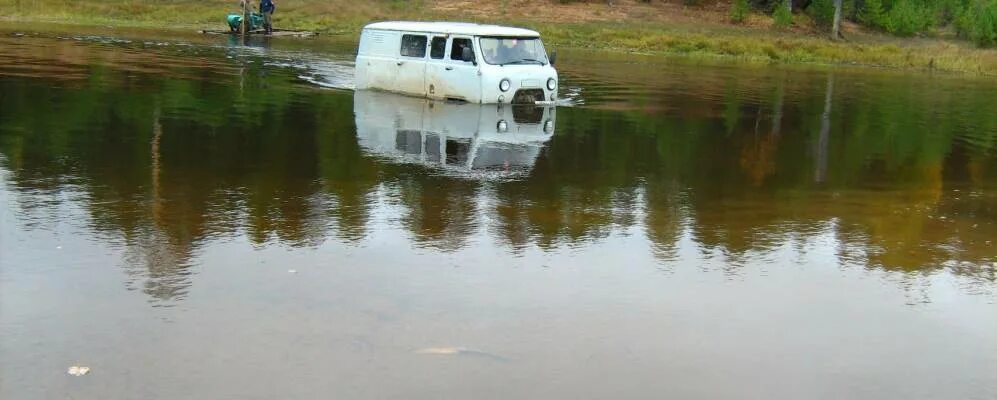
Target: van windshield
{"x":513,"y":50}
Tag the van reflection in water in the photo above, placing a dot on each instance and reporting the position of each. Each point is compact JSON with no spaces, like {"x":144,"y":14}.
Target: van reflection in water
{"x":460,"y":138}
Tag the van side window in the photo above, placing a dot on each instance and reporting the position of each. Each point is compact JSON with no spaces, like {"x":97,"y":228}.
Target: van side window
{"x":438,"y":47}
{"x":414,"y":46}
{"x":457,"y":48}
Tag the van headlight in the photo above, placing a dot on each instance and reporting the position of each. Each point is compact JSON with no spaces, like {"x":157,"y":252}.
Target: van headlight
{"x":551,"y":84}
{"x":504,"y":85}
{"x":502,"y":126}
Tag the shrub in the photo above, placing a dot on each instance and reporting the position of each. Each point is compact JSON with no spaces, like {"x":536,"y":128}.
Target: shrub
{"x":907,"y":18}
{"x":739,"y":11}
{"x":978,"y":22}
{"x":948,"y":10}
{"x":782,"y":16}
{"x":822,"y":11}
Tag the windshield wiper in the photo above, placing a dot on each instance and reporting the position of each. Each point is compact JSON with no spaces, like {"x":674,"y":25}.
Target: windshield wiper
{"x":524,"y":60}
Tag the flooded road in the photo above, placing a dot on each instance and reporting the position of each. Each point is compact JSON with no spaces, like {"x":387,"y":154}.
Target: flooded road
{"x":200,"y":219}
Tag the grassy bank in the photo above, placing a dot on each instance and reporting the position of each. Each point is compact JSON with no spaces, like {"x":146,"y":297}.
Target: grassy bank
{"x":655,"y":27}
{"x":760,"y":46}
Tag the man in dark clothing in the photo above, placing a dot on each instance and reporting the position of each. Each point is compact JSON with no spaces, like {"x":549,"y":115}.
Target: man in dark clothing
{"x":267,"y":7}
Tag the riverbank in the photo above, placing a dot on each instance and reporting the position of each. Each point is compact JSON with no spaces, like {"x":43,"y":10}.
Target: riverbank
{"x":656,"y":27}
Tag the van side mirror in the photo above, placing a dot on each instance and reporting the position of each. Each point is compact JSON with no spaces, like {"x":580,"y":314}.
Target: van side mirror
{"x":553,"y":57}
{"x":467,"y":55}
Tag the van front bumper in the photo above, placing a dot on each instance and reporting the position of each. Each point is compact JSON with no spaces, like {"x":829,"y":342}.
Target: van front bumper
{"x":527,"y":96}
{"x":521,"y":89}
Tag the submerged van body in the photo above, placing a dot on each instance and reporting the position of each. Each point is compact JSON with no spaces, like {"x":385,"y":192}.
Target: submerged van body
{"x":479,"y":140}
{"x":456,"y":61}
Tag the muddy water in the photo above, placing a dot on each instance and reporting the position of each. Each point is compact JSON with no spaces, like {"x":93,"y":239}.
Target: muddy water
{"x":196,"y":218}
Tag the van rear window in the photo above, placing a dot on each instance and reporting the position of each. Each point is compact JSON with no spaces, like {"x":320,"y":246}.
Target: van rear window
{"x":413,"y":46}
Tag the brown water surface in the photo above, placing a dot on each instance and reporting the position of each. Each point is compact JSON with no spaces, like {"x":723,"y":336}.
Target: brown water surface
{"x":197,"y":218}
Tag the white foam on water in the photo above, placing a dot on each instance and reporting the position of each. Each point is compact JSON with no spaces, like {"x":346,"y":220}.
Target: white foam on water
{"x":329,"y":74}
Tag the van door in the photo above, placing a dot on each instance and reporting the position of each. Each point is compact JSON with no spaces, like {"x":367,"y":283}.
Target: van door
{"x":410,"y":68}
{"x":450,"y":77}
{"x":435,"y":66}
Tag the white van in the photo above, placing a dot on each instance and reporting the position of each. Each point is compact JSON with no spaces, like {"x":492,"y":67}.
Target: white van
{"x":480,"y":140}
{"x":456,"y":61}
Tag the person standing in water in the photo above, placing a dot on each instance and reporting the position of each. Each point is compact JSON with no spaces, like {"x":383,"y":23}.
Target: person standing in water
{"x":267,"y":7}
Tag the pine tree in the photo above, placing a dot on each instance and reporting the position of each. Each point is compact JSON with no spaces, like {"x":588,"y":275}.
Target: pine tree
{"x":872,"y":13}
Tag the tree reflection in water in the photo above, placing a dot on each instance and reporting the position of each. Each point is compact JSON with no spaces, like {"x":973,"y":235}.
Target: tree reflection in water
{"x":902,"y":178}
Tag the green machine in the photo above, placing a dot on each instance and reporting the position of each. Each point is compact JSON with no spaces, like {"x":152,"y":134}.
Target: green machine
{"x":255,"y":21}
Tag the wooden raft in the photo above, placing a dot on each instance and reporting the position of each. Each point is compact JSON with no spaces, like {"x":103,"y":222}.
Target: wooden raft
{"x":261,"y":32}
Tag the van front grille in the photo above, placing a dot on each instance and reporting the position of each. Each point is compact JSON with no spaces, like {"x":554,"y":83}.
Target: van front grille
{"x":528,"y":96}
{"x":527,"y":114}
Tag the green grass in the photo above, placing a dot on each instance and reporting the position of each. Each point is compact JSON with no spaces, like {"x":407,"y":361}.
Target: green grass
{"x":757,"y":46}
{"x":748,"y":43}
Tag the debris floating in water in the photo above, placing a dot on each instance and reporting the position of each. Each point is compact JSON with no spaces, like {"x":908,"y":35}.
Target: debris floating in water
{"x":460,"y":351}
{"x":440,"y":351}
{"x":77,"y":370}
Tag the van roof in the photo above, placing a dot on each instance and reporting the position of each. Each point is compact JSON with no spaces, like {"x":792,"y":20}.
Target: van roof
{"x":460,"y":28}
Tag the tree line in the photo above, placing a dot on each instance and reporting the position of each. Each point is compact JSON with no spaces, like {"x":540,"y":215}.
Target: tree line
{"x":975,"y":20}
